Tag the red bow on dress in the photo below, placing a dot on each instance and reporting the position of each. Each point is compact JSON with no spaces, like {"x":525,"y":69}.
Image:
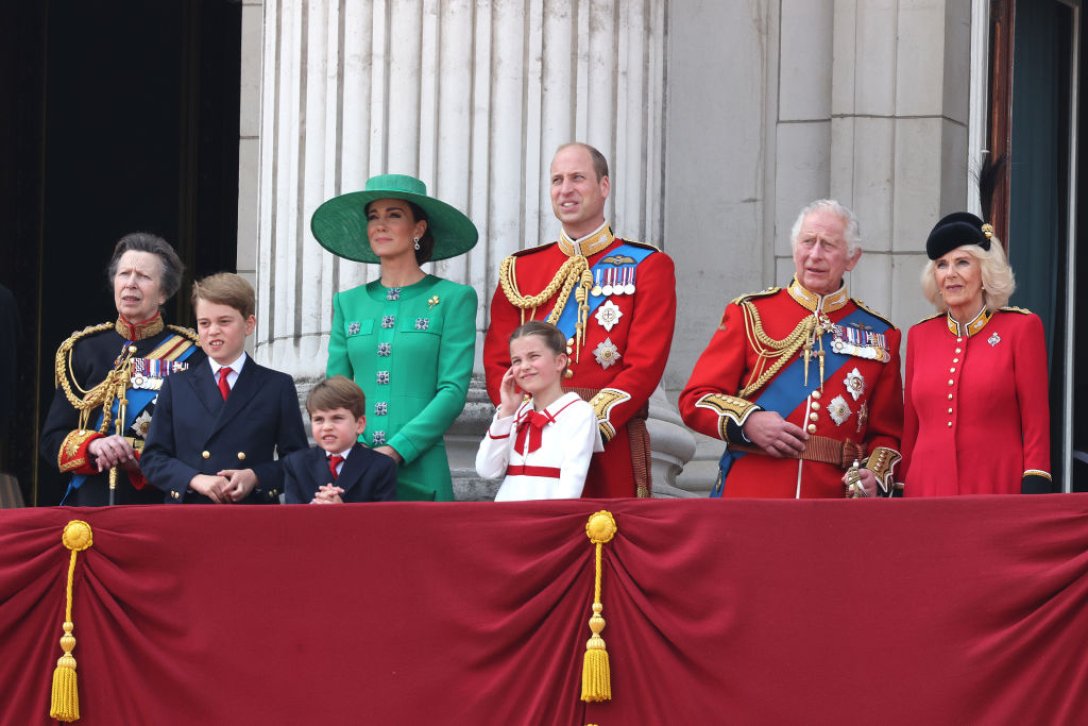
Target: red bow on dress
{"x":532,"y":426}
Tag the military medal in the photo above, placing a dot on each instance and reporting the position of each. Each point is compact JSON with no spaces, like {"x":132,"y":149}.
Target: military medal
{"x":858,"y":342}
{"x":596,"y":291}
{"x":629,"y":288}
{"x":994,"y":339}
{"x":609,"y":275}
{"x":839,"y":410}
{"x":606,"y":353}
{"x":608,"y":315}
{"x":141,"y":424}
{"x":148,"y":373}
{"x":855,"y":383}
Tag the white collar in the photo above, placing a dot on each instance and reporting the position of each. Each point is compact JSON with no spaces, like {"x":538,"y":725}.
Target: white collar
{"x":235,"y":366}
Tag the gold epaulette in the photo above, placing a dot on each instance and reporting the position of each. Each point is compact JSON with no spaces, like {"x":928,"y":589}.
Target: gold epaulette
{"x":749,"y":295}
{"x":872,"y":312}
{"x":934,"y":316}
{"x":1014,"y":309}
{"x":63,"y":349}
{"x":187,"y":332}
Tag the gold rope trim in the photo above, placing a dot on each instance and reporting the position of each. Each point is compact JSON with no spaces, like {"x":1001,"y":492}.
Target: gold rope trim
{"x":767,"y":348}
{"x":100,"y":396}
{"x":575,"y":271}
{"x":64,"y":706}
{"x":596,"y":672}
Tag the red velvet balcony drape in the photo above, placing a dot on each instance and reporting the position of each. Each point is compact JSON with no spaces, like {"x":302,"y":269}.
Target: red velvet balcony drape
{"x":964,"y":610}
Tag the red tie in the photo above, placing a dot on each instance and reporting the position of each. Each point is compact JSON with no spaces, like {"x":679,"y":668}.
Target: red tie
{"x":531,"y":426}
{"x":334,"y":461}
{"x":224,"y":386}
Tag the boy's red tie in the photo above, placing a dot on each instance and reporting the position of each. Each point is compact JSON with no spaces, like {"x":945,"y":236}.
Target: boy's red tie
{"x":334,"y":461}
{"x":224,"y":386}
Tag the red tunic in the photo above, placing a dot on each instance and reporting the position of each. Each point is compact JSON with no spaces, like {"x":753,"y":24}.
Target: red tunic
{"x":641,"y":336}
{"x":860,"y":402}
{"x":977,"y":407}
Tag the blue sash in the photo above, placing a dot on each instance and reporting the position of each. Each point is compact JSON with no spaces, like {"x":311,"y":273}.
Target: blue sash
{"x":138,"y":400}
{"x":788,"y":390}
{"x":569,"y":316}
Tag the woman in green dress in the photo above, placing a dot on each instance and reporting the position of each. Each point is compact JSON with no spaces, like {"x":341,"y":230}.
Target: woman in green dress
{"x":408,"y":338}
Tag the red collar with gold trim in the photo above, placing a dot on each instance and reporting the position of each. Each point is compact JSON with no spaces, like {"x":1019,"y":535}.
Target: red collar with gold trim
{"x":139,"y":331}
{"x":973,"y":327}
{"x":818,"y":303}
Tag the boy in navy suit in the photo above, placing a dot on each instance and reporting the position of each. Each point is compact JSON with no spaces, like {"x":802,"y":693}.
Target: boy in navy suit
{"x":339,"y":469}
{"x":218,"y":427}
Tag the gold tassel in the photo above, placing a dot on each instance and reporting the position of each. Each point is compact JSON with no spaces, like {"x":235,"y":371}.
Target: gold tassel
{"x":596,"y":670}
{"x":64,"y":706}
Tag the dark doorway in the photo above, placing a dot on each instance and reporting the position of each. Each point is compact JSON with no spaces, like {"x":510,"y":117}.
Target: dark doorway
{"x":118,"y":117}
{"x":1038,"y":119}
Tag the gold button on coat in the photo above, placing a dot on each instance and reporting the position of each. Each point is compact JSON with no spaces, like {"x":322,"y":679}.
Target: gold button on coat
{"x":241,"y":456}
{"x":206,"y":454}
{"x":174,"y":495}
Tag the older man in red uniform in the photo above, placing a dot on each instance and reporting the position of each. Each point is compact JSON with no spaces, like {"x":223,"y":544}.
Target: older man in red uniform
{"x":615,"y":300}
{"x":803,"y":382}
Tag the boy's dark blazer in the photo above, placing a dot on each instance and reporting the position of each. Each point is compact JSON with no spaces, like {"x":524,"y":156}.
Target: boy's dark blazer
{"x":366,"y":475}
{"x":194,"y":431}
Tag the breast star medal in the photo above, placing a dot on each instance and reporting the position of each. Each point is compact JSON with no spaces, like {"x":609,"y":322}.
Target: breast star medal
{"x":994,"y":339}
{"x":606,"y":353}
{"x":608,"y":315}
{"x":839,"y":410}
{"x":855,"y":383}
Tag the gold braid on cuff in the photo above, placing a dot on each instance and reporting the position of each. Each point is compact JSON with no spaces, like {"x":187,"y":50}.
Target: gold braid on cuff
{"x":603,"y":403}
{"x":727,"y":408}
{"x":882,"y":463}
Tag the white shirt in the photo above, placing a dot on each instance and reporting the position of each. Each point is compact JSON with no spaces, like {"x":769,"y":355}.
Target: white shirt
{"x":567,"y":444}
{"x":235,"y":370}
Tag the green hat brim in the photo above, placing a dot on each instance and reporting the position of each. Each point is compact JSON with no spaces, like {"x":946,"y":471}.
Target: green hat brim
{"x":339,"y":225}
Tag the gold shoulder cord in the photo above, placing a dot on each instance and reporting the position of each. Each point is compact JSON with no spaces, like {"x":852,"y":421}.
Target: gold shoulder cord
{"x":100,"y":396}
{"x":574,"y":271}
{"x":186,"y":332}
{"x":768,"y":348}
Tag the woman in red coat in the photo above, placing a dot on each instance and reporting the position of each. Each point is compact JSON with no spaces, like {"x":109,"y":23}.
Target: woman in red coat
{"x":977,"y":417}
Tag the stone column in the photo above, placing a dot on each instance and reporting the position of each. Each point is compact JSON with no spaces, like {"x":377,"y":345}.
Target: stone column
{"x":473,"y":97}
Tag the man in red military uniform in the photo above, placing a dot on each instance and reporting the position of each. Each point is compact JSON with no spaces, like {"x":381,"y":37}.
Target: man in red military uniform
{"x":802,"y":382}
{"x":615,"y":301}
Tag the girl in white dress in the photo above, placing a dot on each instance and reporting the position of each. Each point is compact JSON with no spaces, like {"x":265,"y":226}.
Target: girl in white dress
{"x":541,"y":444}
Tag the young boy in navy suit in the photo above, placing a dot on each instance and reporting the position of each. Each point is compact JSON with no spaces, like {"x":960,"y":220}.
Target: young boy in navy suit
{"x":339,"y":469}
{"x":218,"y":427}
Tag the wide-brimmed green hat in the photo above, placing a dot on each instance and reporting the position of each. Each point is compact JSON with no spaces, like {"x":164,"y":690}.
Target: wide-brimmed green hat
{"x":340,"y":223}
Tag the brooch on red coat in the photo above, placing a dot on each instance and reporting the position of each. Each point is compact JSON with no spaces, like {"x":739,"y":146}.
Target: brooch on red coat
{"x":994,"y":339}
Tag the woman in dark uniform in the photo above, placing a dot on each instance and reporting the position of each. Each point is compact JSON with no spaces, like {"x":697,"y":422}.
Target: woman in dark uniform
{"x":977,"y":417}
{"x":108,"y":376}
